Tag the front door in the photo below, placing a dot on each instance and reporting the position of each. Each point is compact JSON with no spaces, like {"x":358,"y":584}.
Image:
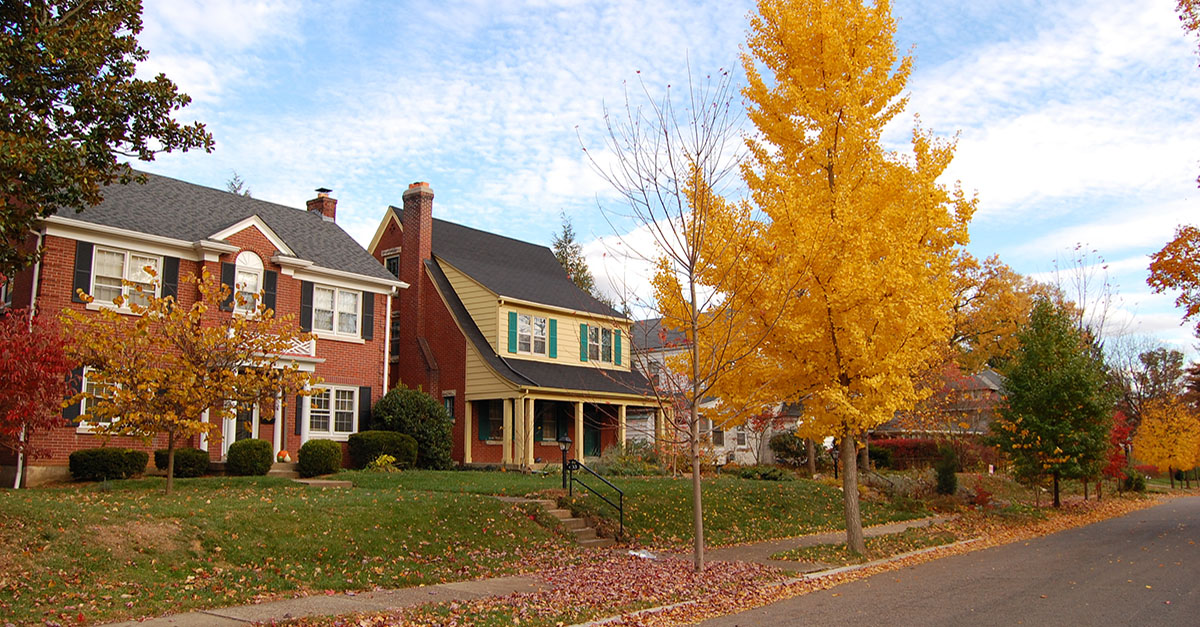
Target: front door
{"x":591,"y":440}
{"x":240,"y":427}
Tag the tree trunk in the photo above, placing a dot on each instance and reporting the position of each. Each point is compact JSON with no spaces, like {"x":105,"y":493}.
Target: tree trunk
{"x":170,"y":461}
{"x":697,"y":507}
{"x":1085,"y":489}
{"x":1100,"y":490}
{"x":812,"y":456}
{"x":1171,"y":474}
{"x":20,"y":461}
{"x":854,"y":532}
{"x":1057,"y":500}
{"x":864,"y":456}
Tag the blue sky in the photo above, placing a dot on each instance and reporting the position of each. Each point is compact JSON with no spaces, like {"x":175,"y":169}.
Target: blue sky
{"x":1078,"y":120}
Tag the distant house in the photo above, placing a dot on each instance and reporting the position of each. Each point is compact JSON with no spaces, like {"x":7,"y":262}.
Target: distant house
{"x":965,"y":405}
{"x":305,"y":265}
{"x":655,"y":344}
{"x":494,"y":328}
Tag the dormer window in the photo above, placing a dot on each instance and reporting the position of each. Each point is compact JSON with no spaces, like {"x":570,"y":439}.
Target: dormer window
{"x":531,"y":334}
{"x":249,"y":282}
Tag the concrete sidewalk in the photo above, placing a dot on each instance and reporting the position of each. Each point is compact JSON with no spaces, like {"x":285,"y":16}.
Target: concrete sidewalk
{"x":384,"y":600}
{"x":346,"y":603}
{"x":761,"y":552}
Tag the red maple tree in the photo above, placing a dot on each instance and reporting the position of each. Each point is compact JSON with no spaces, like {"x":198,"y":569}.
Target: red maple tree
{"x":34,"y":378}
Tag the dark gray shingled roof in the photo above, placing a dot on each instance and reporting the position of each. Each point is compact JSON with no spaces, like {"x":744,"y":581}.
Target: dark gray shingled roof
{"x":172,"y":208}
{"x":510,"y":267}
{"x":650,"y":335}
{"x":535,"y":373}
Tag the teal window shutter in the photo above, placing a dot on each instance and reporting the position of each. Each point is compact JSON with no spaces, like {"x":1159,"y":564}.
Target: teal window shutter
{"x":537,"y":430}
{"x":617,"y":347}
{"x":583,"y":342}
{"x":512,"y":331}
{"x":553,"y":338}
{"x":484,"y":420}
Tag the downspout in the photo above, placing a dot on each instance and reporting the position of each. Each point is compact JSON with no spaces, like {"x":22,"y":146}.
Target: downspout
{"x":33,"y":291}
{"x":387,"y":342}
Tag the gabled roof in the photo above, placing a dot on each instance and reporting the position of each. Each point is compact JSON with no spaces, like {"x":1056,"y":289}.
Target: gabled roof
{"x":530,"y":373}
{"x":172,"y":208}
{"x":651,"y":335}
{"x":509,"y":267}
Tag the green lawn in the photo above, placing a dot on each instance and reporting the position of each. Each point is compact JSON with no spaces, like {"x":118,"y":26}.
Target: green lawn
{"x":658,"y":510}
{"x":83,"y":551}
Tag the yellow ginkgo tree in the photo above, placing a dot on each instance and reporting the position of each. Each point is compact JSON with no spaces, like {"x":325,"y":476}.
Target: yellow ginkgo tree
{"x":155,"y":366}
{"x":873,"y":229}
{"x":1169,"y":436}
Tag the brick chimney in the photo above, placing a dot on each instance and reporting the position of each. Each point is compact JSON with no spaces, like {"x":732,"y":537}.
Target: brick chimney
{"x":323,"y":204}
{"x":417,"y":222}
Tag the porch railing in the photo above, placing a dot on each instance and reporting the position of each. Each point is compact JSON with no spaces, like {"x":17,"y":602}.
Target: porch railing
{"x":574,"y":466}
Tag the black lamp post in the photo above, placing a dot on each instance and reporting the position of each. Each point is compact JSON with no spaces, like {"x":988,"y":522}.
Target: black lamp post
{"x":564,"y":443}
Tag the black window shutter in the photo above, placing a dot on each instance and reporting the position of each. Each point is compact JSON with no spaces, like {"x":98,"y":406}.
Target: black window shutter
{"x":83,"y":270}
{"x":299,"y":412}
{"x":306,"y":303}
{"x":368,"y":316}
{"x":228,"y":278}
{"x":564,"y":425}
{"x":270,"y":282}
{"x":170,"y":278}
{"x":364,"y":408}
{"x":484,"y":418}
{"x":70,"y":413}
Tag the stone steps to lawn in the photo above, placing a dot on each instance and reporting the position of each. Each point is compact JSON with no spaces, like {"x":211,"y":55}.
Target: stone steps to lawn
{"x":585,"y":535}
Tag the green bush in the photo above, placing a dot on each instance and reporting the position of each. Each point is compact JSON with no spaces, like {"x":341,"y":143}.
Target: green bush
{"x":189,"y":462}
{"x":366,"y":446}
{"x":880,"y":457}
{"x":319,"y":457}
{"x":421,"y":416}
{"x":946,"y":467}
{"x":98,"y":464}
{"x":383,"y":463}
{"x":249,"y":458}
{"x":636,"y":459}
{"x":765,"y":473}
{"x":1134,"y":481}
{"x":789,"y":449}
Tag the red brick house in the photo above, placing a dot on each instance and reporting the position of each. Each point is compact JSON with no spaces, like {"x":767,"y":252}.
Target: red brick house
{"x":495,"y":328}
{"x":304,"y":263}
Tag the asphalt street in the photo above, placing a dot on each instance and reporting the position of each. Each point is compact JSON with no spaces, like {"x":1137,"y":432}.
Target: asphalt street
{"x":1140,"y":569}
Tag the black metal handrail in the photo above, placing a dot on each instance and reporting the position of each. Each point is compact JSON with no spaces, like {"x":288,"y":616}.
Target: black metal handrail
{"x":574,"y":465}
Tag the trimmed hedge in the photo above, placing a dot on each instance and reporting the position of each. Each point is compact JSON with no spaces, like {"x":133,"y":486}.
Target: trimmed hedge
{"x":421,"y":416}
{"x":249,"y":458}
{"x":98,"y":464}
{"x":908,"y":452}
{"x":366,"y":446}
{"x":189,"y":462}
{"x":319,"y":457}
{"x":789,"y":448}
{"x":765,"y":473}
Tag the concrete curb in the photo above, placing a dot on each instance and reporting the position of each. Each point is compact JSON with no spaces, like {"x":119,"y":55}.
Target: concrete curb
{"x":786,"y":582}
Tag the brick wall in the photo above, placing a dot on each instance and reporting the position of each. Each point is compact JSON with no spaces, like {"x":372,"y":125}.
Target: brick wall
{"x":346,"y":363}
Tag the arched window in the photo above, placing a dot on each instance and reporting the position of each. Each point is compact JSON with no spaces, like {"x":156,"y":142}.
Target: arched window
{"x":249,"y":281}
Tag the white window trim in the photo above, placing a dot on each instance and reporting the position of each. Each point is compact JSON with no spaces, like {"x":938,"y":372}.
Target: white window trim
{"x":99,"y":303}
{"x":331,"y":433}
{"x":85,"y":427}
{"x":255,"y":267}
{"x":355,"y":337}
{"x":390,"y":258}
{"x":533,"y":335}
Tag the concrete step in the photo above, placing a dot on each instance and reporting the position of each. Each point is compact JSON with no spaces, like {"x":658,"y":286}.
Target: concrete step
{"x":584,"y":533}
{"x":285,"y":466}
{"x":597,"y":543}
{"x":560,"y":514}
{"x":546,"y":503}
{"x":284,"y":474}
{"x":573,"y":523}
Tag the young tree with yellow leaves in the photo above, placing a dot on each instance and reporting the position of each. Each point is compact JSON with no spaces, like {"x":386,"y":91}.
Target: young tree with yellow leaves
{"x":159,"y":370}
{"x":873,"y":231}
{"x":1169,"y":436}
{"x":673,"y":161}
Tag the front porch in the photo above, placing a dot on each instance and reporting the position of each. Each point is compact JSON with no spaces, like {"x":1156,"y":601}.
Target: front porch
{"x":523,"y":431}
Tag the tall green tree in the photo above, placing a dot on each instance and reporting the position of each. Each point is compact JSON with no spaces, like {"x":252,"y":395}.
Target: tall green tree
{"x":70,"y":108}
{"x":1058,"y":412}
{"x":569,"y":252}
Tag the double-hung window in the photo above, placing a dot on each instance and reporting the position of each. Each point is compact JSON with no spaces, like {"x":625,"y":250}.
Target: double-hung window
{"x":336,"y":310}
{"x":94,"y":390}
{"x":332,"y":412}
{"x":606,"y":345}
{"x":594,"y":343}
{"x":112,"y":268}
{"x":248,"y":281}
{"x":393,"y":265}
{"x":531,"y":334}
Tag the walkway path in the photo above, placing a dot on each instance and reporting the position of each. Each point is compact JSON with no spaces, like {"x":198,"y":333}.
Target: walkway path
{"x":384,"y":600}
